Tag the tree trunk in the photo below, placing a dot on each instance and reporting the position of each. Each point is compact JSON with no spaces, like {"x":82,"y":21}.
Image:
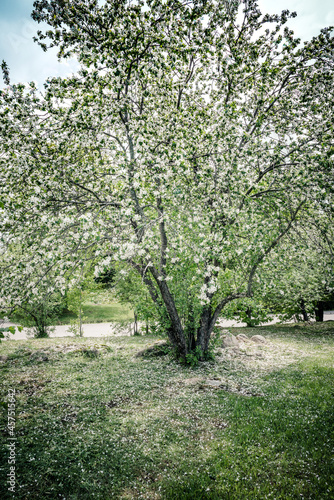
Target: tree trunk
{"x":80,"y":314}
{"x":249,"y":322}
{"x":135,"y":324}
{"x":303,"y":310}
{"x":205,"y":329}
{"x":209,"y":319}
{"x":176,"y":333}
{"x":319,"y":311}
{"x":190,"y":327}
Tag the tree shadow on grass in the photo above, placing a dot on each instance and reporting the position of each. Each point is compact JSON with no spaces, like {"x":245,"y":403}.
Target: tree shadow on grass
{"x":278,"y":445}
{"x":53,"y":460}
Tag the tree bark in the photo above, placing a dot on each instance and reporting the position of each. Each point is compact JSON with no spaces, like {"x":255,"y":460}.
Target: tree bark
{"x":205,"y":329}
{"x":176,"y":333}
{"x":303,"y":310}
{"x":249,"y":316}
{"x":135,"y":324}
{"x":319,"y":311}
{"x":208,"y":321}
{"x":190,"y":325}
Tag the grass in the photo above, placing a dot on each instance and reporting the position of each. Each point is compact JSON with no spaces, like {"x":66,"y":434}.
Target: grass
{"x":93,"y":420}
{"x":99,"y":313}
{"x":100,"y":310}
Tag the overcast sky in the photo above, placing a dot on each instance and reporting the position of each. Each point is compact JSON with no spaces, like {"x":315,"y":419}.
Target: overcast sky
{"x":28,"y":62}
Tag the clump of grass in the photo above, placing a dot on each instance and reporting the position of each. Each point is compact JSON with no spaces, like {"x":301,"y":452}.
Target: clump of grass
{"x":256,"y":423}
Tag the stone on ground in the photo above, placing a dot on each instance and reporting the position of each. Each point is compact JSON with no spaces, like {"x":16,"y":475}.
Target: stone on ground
{"x":242,"y":338}
{"x":259,"y":339}
{"x":230,"y":341}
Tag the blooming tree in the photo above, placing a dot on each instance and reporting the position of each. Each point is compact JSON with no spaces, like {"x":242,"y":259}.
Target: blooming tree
{"x":297,"y":278}
{"x":186,"y":148}
{"x":300,"y":276}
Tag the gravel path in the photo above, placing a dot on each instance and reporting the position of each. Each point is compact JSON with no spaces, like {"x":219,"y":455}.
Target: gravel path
{"x":89,"y":330}
{"x":111,"y":329}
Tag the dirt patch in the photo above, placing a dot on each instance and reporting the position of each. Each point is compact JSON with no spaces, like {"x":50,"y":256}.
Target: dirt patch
{"x":156,"y":350}
{"x":192,"y":381}
{"x":117,"y":401}
{"x":30,"y":387}
{"x":229,"y":386}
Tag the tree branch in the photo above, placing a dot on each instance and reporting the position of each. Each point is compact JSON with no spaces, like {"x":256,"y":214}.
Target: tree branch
{"x":269,"y":249}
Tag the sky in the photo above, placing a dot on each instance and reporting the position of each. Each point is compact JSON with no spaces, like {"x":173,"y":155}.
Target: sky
{"x":27,"y":62}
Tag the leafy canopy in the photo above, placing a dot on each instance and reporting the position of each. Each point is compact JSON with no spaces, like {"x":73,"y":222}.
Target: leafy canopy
{"x":186,"y":147}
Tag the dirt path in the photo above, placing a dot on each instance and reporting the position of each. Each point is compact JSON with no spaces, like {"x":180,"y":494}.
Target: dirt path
{"x":111,"y":329}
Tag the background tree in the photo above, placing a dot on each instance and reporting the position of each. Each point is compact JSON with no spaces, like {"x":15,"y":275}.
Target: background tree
{"x":300,"y":275}
{"x":252,"y":310}
{"x":40,"y":315}
{"x":76,"y":297}
{"x":188,"y":146}
{"x":130,"y":290}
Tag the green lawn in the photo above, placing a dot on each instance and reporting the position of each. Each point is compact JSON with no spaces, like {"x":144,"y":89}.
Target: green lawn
{"x":95,"y":421}
{"x":100,"y":313}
